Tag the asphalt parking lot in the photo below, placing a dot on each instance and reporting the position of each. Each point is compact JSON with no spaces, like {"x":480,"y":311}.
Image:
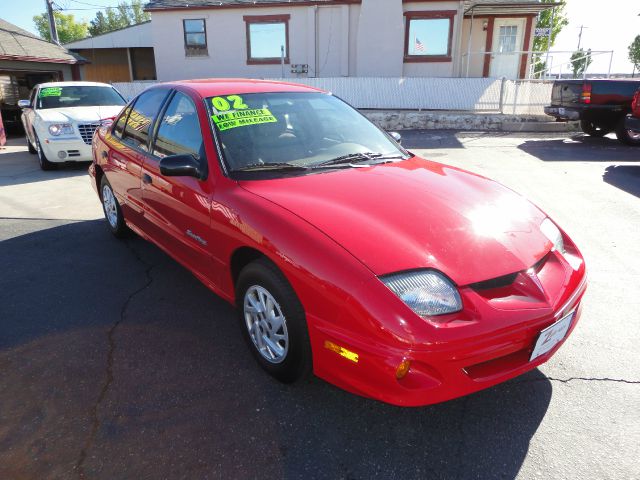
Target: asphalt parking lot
{"x":116,"y":363}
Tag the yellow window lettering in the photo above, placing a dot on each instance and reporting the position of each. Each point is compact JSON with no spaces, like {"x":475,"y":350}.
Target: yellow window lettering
{"x":220,"y":104}
{"x":238,"y":104}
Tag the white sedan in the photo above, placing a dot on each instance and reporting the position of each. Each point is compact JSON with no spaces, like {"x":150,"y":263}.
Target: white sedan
{"x":60,"y":117}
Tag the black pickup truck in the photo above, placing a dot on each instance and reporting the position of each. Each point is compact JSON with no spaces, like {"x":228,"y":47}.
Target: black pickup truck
{"x":600,"y":105}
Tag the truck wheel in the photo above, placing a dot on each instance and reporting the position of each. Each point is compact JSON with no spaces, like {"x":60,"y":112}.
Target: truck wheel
{"x":594,"y":130}
{"x":626,"y":136}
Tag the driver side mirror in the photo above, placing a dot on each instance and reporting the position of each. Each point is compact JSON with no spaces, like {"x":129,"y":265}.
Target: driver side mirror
{"x":24,"y":103}
{"x":185,"y":165}
{"x":396,"y":136}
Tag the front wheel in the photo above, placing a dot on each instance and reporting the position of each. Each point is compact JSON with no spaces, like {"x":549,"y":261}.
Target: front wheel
{"x":45,"y":164}
{"x":273,"y":321}
{"x":626,"y":136}
{"x":31,"y":148}
{"x":112,"y":210}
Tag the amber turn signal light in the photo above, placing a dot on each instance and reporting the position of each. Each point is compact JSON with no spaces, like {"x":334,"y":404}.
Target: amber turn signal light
{"x":403,"y":368}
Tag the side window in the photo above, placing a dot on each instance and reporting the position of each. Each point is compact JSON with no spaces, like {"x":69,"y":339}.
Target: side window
{"x":119,"y":127}
{"x":179,"y":131}
{"x":136,"y":130}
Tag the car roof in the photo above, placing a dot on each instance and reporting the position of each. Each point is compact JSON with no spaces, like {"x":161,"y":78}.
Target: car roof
{"x":212,"y":87}
{"x":73,"y":84}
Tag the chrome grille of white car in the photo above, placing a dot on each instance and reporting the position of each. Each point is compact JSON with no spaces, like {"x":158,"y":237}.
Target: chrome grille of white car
{"x":86,"y":131}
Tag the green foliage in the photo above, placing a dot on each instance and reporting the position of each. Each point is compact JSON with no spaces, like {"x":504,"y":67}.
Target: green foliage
{"x":580,"y":61}
{"x":68,"y":29}
{"x":124,"y":15}
{"x":634,"y":52}
{"x":541,"y":44}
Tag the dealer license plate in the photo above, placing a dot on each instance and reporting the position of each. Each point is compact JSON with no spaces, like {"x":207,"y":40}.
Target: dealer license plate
{"x":551,"y":336}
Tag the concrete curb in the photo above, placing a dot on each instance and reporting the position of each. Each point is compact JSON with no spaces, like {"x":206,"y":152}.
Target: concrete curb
{"x":444,"y":120}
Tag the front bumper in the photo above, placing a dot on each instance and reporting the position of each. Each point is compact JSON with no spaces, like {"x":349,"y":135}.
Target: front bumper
{"x":632,"y":123}
{"x":60,"y":150}
{"x":563,"y":113}
{"x":459,"y":359}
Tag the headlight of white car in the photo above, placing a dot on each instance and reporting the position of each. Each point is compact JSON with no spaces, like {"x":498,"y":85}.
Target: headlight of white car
{"x":426,"y":292}
{"x":57,"y":129}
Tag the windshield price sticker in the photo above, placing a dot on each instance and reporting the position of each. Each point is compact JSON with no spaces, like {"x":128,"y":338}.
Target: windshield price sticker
{"x":51,"y":92}
{"x":243,"y":118}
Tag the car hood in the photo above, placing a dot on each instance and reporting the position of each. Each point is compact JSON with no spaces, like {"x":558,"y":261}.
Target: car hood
{"x":417,"y":214}
{"x":78,"y":114}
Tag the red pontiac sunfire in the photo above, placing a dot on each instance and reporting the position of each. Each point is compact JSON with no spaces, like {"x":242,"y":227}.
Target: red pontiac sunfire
{"x":388,"y":275}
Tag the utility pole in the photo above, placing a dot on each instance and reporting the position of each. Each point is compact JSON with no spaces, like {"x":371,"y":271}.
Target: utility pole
{"x":52,"y":22}
{"x":580,"y":35}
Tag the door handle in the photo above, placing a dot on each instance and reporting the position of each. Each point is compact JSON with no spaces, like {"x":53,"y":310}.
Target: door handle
{"x":146,"y":179}
{"x":104,"y":154}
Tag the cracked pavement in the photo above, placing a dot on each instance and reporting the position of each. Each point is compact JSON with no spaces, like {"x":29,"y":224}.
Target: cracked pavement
{"x":117,"y":363}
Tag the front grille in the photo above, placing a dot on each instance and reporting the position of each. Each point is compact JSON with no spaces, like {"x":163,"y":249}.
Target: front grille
{"x":86,"y":131}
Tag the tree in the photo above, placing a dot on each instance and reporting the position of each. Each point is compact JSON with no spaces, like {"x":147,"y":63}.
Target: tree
{"x":580,"y":61}
{"x":124,"y":15}
{"x":68,"y":29}
{"x":541,"y":44}
{"x":634,"y":53}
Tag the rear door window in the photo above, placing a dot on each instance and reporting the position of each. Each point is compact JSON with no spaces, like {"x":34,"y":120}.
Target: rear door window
{"x":143,"y":113}
{"x":179,"y":130}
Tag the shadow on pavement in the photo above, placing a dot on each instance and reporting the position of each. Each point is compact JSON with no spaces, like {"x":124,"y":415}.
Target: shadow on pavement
{"x":118,"y":363}
{"x":580,"y":148}
{"x":624,"y":177}
{"x":426,"y":139}
{"x":20,"y":167}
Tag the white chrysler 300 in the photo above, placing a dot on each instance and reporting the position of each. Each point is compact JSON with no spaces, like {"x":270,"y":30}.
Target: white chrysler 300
{"x":60,"y":117}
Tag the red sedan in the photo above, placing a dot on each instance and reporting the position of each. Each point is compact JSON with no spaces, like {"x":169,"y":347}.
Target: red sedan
{"x":391,"y":276}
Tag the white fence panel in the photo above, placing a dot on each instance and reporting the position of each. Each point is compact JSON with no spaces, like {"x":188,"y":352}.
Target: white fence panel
{"x":526,"y":97}
{"x":458,"y":94}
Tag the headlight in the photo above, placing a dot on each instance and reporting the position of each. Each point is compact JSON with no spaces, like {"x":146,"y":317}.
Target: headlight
{"x":549,"y":229}
{"x":61,"y":129}
{"x":426,"y":292}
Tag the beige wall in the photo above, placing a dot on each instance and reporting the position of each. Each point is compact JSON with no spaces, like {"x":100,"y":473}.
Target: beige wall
{"x":478,"y":44}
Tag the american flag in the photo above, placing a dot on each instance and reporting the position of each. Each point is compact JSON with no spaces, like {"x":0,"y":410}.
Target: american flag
{"x":419,"y":45}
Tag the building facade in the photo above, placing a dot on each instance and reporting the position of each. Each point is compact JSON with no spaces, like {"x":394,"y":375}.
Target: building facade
{"x":342,"y":38}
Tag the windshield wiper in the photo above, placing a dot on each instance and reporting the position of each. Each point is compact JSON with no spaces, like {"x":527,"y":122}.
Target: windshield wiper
{"x":262,"y":167}
{"x":353,"y":158}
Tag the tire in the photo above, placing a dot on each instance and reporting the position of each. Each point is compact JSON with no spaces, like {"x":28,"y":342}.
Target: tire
{"x":112,"y":210}
{"x":45,"y":164}
{"x":593,"y":129}
{"x":628,"y":137}
{"x":281,"y":349}
{"x":31,"y":148}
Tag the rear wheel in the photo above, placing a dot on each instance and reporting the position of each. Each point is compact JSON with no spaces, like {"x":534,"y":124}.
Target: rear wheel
{"x":273,"y":321}
{"x":45,"y":164}
{"x":112,"y":210}
{"x":593,"y":129}
{"x":626,"y":136}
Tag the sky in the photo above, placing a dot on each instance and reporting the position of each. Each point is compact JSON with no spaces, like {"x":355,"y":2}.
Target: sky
{"x":610,"y":25}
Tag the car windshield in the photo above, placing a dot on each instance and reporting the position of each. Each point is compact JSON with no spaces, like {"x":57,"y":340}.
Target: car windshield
{"x":78,"y":96}
{"x":295,"y":132}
